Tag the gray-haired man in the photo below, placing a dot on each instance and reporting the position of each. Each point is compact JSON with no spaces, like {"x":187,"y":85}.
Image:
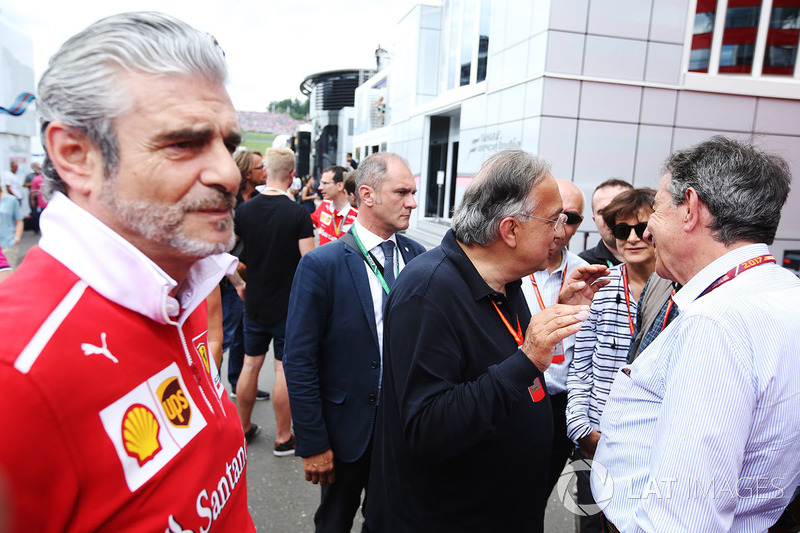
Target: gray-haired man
{"x":700,"y":433}
{"x":107,"y":381}
{"x":464,"y":430}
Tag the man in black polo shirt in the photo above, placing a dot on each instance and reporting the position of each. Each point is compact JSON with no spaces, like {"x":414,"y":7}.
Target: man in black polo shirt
{"x":276,"y":232}
{"x":464,"y":429}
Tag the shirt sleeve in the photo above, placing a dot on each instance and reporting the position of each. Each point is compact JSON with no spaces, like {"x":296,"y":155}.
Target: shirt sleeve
{"x":699,"y":441}
{"x":580,"y":378}
{"x":304,"y":331}
{"x":306,"y":227}
{"x":316,"y":213}
{"x":443,"y":415}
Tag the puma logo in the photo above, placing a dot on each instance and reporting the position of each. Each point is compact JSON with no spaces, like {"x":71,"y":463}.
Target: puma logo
{"x":91,"y":349}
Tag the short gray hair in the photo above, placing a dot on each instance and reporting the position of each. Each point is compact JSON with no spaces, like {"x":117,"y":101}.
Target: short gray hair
{"x":373,"y":170}
{"x":501,"y":189}
{"x":81,"y":86}
{"x":743,"y":187}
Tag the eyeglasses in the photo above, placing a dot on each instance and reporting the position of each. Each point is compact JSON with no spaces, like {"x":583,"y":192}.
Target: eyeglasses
{"x":573,"y":219}
{"x":558,"y":222}
{"x":623,"y":231}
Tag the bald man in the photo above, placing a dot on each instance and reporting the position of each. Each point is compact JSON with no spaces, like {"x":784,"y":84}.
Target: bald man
{"x":541,"y":290}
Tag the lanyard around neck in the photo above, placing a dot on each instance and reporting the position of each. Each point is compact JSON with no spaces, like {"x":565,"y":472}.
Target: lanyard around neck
{"x":539,"y":295}
{"x":273,"y":189}
{"x":371,"y":263}
{"x":669,"y":308}
{"x":517,"y":334}
{"x":738,"y":269}
{"x":624,"y":269}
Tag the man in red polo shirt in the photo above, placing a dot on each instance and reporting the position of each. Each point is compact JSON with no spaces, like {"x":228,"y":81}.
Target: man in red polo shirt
{"x":334,"y":216}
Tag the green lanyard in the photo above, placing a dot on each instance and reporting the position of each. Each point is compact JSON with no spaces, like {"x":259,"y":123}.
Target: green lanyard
{"x":371,"y":263}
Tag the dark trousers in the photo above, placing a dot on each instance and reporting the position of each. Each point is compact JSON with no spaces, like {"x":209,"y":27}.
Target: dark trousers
{"x":562,"y":445}
{"x":340,"y":501}
{"x":232,"y":330}
{"x":592,"y":523}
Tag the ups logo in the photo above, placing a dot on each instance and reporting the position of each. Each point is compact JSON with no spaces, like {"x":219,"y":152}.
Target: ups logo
{"x":174,"y":402}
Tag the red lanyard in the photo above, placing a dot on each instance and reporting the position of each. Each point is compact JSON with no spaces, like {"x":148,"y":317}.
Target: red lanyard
{"x":627,"y":298}
{"x":539,"y":295}
{"x":669,"y":308}
{"x":516,"y":334}
{"x":735,"y":271}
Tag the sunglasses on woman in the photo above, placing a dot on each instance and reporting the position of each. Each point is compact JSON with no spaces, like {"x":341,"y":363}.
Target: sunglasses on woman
{"x":623,"y":231}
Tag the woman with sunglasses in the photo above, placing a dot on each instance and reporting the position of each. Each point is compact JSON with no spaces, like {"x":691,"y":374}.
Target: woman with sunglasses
{"x":601,"y":346}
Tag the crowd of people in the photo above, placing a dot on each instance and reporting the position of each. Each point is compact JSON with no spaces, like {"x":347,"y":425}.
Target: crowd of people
{"x":439,"y":390}
{"x":268,"y":122}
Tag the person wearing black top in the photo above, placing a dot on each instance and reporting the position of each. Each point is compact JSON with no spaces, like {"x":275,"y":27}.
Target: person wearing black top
{"x":464,"y":429}
{"x":276,"y":232}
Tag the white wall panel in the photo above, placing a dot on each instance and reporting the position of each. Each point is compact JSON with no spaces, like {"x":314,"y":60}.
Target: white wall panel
{"x":715,"y":111}
{"x":565,"y":52}
{"x":604,"y":150}
{"x":609,"y":57}
{"x":561,"y":97}
{"x":658,"y":106}
{"x":608,"y":101}
{"x":557,"y":144}
{"x":621,"y":18}
{"x":663,"y":63}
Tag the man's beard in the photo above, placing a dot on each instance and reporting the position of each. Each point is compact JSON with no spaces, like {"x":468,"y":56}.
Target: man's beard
{"x":164,"y":224}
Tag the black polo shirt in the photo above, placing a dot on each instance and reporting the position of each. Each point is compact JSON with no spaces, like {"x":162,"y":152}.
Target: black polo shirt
{"x":599,"y":255}
{"x":460,"y":445}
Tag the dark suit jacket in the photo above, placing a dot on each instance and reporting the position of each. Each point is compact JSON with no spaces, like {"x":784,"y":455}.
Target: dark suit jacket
{"x":331,"y":358}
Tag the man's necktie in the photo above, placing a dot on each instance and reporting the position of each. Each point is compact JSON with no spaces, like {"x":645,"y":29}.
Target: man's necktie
{"x":388,"y":266}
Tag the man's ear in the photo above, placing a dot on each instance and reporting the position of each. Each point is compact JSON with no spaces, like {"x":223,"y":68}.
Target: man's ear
{"x":367,"y":195}
{"x":694,"y":211}
{"x":507,"y":230}
{"x":74,"y":156}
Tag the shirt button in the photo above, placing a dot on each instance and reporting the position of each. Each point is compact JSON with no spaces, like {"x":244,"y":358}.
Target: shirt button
{"x":374,"y":364}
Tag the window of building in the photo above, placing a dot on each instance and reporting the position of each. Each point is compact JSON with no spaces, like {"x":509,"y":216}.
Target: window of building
{"x":739,"y":38}
{"x":780,"y":54}
{"x":701,"y":38}
{"x":758,"y":37}
{"x":465,"y":42}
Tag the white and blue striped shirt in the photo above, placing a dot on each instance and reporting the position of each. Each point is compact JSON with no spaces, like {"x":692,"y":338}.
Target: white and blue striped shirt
{"x":549,"y":286}
{"x":703,"y":431}
{"x":601,"y":348}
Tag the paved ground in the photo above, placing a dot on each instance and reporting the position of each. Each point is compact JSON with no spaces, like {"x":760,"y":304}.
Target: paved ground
{"x":280,"y":499}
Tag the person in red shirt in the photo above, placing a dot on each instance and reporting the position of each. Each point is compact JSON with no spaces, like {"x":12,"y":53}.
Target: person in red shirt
{"x":107,"y":381}
{"x":335,"y":215}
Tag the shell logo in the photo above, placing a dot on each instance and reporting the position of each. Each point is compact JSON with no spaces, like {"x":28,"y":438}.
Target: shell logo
{"x":203,"y":351}
{"x":140,"y":433}
{"x":174,"y":402}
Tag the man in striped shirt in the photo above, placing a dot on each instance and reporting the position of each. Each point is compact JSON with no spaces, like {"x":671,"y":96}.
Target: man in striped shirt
{"x":700,"y":433}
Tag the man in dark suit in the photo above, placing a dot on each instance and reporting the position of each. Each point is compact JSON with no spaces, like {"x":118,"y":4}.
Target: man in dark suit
{"x":334,"y":338}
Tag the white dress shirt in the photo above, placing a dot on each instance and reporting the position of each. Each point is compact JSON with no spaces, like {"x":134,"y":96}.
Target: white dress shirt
{"x":702,"y":431}
{"x":372,"y":243}
{"x":549,"y":286}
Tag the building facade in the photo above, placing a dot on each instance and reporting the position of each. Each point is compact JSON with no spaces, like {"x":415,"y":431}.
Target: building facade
{"x":600,"y":89}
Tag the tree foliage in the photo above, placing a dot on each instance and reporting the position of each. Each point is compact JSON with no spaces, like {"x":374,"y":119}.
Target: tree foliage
{"x":298,"y":110}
